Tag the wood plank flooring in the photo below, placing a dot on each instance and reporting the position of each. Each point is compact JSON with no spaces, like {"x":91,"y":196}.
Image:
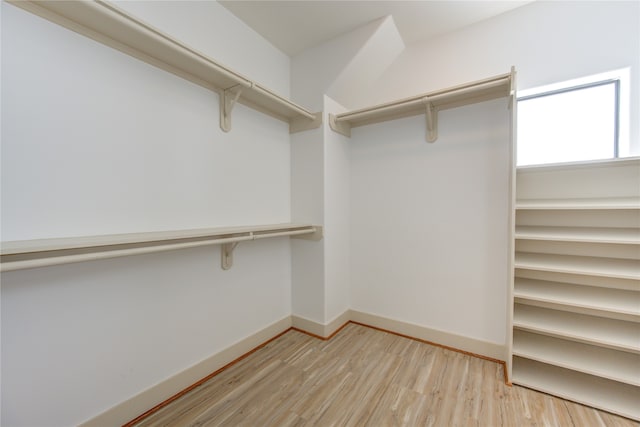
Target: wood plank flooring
{"x":365,"y":377}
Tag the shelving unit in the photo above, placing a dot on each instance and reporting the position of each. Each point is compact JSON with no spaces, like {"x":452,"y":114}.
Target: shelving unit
{"x":615,"y":303}
{"x":18,"y":255}
{"x":576,"y":290}
{"x":589,"y":359}
{"x":595,"y":330}
{"x":501,"y":86}
{"x":592,"y":390}
{"x":607,"y":267}
{"x":580,"y":234}
{"x":112,"y":26}
{"x":581,"y":203}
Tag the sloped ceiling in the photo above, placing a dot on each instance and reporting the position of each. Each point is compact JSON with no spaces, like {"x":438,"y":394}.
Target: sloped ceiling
{"x":293,"y":26}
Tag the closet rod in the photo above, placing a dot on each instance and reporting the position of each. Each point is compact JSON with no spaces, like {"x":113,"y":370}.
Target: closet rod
{"x":283,"y":101}
{"x":428,"y":104}
{"x":436,"y":98}
{"x":92,"y":256}
{"x":46,"y":258}
{"x":112,"y":26}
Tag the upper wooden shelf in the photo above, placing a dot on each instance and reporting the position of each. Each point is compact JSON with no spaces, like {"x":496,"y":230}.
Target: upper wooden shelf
{"x":582,"y":265}
{"x":500,"y":86}
{"x":579,"y":204}
{"x":615,"y":303}
{"x":112,"y":26}
{"x":17,"y":255}
{"x":579,"y":234}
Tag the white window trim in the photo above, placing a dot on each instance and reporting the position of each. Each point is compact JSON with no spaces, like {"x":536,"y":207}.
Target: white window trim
{"x":623,"y":146}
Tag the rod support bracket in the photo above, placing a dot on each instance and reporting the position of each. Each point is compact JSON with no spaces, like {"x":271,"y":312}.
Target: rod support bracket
{"x":432,"y":119}
{"x":228,"y":99}
{"x":226,"y":253}
{"x":343,"y":128}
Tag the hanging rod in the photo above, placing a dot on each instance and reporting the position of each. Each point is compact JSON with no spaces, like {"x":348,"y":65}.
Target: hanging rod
{"x":108,"y":24}
{"x":428,"y":104}
{"x":19,"y":255}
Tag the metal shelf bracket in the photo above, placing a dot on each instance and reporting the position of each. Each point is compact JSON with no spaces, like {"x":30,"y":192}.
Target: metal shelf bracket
{"x":343,"y":128}
{"x":226,"y":253}
{"x":228,"y":99}
{"x":432,"y":119}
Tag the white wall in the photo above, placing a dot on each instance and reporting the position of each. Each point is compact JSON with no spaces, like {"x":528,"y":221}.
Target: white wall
{"x":211,"y":29}
{"x":429,"y":221}
{"x":337,"y":204}
{"x":96,"y":142}
{"x":547,"y":42}
{"x":307,"y":206}
{"x":344,"y":66}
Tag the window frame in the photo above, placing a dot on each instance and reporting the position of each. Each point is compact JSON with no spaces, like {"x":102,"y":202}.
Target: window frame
{"x":559,"y":89}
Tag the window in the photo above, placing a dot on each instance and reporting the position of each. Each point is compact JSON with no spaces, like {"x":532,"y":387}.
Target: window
{"x":570,"y":122}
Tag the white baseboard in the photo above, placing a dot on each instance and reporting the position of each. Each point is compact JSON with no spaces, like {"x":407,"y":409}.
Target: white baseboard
{"x":337,"y":323}
{"x":448,"y":339}
{"x":319,"y":329}
{"x":307,"y":325}
{"x":142,"y":402}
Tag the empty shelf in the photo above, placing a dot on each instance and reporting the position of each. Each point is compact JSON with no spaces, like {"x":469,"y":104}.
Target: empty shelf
{"x":612,"y":396}
{"x":592,"y":266}
{"x":114,"y":27}
{"x":599,"y":361}
{"x":601,"y":203}
{"x":427,"y":103}
{"x":587,"y":297}
{"x":16,"y":255}
{"x":615,"y":334}
{"x":579,"y":234}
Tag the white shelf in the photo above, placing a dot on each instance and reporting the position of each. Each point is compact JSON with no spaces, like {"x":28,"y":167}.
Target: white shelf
{"x":592,"y":266}
{"x":500,"y":86}
{"x":611,"y":396}
{"x":17,"y":255}
{"x":579,"y":234}
{"x":586,"y":297}
{"x":112,"y":26}
{"x":602,"y":362}
{"x":576,"y":288}
{"x":615,"y":334}
{"x":578,"y":204}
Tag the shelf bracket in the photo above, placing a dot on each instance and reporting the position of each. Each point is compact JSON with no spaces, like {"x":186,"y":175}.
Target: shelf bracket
{"x":226,"y":253}
{"x":432,"y":120}
{"x":512,"y":88}
{"x":340,"y":127}
{"x":300,"y":124}
{"x":228,"y":99}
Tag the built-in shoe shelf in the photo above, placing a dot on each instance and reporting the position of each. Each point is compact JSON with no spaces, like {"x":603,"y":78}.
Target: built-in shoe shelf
{"x":576,"y":290}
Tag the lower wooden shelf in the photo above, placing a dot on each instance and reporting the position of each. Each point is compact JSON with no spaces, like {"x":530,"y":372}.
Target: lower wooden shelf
{"x":602,"y":362}
{"x":612,"y":396}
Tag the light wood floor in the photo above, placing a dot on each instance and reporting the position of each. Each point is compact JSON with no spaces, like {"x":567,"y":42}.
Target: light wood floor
{"x":365,"y":377}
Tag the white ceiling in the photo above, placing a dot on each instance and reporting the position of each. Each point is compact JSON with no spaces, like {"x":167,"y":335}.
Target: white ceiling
{"x":293,"y":26}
